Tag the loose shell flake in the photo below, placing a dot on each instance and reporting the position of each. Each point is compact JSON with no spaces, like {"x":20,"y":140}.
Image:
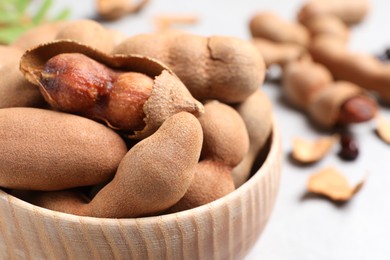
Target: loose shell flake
{"x":307,"y":151}
{"x":331,"y":183}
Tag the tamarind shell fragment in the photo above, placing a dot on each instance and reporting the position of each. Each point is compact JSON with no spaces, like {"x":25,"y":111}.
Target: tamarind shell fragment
{"x":168,"y":95}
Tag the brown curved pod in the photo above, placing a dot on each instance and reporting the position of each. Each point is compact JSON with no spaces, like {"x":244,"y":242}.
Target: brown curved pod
{"x":9,"y":55}
{"x":256,"y":112}
{"x":349,"y":11}
{"x":16,"y":91}
{"x":225,"y":68}
{"x":330,"y":25}
{"x":168,"y":96}
{"x":224,"y":229}
{"x":38,"y":35}
{"x":325,"y":106}
{"x":359,"y":68}
{"x":279,"y":53}
{"x":270,"y":26}
{"x":303,"y":80}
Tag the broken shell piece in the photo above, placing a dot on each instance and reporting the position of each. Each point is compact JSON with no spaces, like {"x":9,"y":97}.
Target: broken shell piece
{"x":166,"y":21}
{"x":332,"y":184}
{"x":383,"y":129}
{"x":114,"y":9}
{"x":305,"y":151}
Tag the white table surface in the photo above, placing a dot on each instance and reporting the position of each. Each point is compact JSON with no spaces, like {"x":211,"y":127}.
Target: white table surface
{"x":300,"y":227}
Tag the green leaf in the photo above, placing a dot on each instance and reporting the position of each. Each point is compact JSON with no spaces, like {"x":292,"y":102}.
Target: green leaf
{"x":10,"y":34}
{"x":9,"y":17}
{"x":63,"y":15}
{"x":15,"y":19}
{"x":42,"y":11}
{"x":21,"y":6}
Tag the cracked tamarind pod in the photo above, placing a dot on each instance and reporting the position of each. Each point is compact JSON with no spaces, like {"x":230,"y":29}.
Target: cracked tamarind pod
{"x":358,"y":68}
{"x":310,"y":87}
{"x":152,"y":176}
{"x":256,"y":111}
{"x":131,"y":93}
{"x":218,"y":67}
{"x":349,"y":11}
{"x":225,"y":143}
{"x":270,"y":26}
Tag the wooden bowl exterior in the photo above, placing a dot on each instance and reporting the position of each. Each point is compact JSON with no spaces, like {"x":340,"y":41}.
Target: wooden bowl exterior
{"x":224,"y":229}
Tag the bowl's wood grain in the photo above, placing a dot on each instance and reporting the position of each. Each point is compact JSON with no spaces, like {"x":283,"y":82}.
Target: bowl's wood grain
{"x":224,"y":229}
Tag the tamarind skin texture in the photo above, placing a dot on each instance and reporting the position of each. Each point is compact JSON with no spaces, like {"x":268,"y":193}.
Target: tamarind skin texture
{"x":309,"y":86}
{"x":302,"y":80}
{"x":225,"y":143}
{"x":256,"y":112}
{"x":224,"y":68}
{"x":88,"y":32}
{"x":211,"y":181}
{"x":361,"y":69}
{"x":16,"y":91}
{"x":279,"y":53}
{"x":48,"y":150}
{"x":349,"y":11}
{"x":270,"y":26}
{"x":329,"y":25}
{"x":152,"y":176}
{"x":40,"y":34}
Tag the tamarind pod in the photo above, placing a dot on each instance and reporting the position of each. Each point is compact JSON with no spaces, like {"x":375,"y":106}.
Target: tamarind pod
{"x":362,"y":69}
{"x":279,"y":53}
{"x":49,"y":150}
{"x":40,"y":34}
{"x":76,"y":78}
{"x":225,"y":137}
{"x":90,"y":33}
{"x":349,"y":11}
{"x":16,"y":91}
{"x":256,"y":111}
{"x":218,"y":67}
{"x":302,"y":80}
{"x":212,"y":180}
{"x":225,"y":143}
{"x":310,"y":87}
{"x":328,"y":24}
{"x":153,"y":175}
{"x":274,"y":28}
{"x":9,"y":55}
{"x":326,"y":108}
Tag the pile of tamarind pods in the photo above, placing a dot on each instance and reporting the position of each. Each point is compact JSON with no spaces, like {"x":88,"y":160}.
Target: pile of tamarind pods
{"x":320,"y":76}
{"x":95,"y":123}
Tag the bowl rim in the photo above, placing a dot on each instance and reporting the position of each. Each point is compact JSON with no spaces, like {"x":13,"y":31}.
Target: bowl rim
{"x":272,"y":155}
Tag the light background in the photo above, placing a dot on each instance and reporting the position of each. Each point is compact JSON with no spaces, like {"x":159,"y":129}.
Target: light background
{"x":300,"y":228}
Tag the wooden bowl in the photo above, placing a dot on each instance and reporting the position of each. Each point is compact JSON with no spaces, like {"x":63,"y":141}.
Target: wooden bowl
{"x":224,"y":229}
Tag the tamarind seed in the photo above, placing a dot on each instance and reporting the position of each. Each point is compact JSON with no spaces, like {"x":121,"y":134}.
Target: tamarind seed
{"x":384,"y":56}
{"x":387,"y":53}
{"x":356,"y":110}
{"x":349,"y":148}
{"x":75,"y":83}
